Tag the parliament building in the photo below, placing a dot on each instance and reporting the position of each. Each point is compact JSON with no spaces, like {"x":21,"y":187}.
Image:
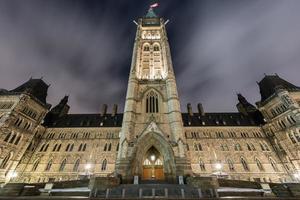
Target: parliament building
{"x":152,"y":139}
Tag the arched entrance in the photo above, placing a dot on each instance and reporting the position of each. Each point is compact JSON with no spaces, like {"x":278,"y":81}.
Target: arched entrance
{"x":163,"y":165}
{"x":153,"y":165}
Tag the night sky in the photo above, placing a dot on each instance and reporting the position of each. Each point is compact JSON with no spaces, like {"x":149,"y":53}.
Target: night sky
{"x":84,"y":48}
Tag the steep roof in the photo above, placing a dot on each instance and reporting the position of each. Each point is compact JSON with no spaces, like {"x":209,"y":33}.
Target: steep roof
{"x":36,"y":87}
{"x":150,"y":19}
{"x":270,"y":83}
{"x":151,"y":14}
{"x":217,"y":119}
{"x":87,"y":120}
{"x":107,"y":120}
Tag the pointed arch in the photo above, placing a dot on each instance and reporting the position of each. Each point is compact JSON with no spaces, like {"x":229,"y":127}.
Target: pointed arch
{"x":13,"y":138}
{"x":259,"y":165}
{"x":152,"y":105}
{"x":7,"y":137}
{"x":237,"y":147}
{"x":150,"y":88}
{"x":146,"y":141}
{"x":5,"y":161}
{"x":63,"y":165}
{"x":230,"y":165}
{"x":48,"y":166}
{"x":18,"y":140}
{"x":245,"y":164}
{"x":76,"y":165}
{"x":35,"y":165}
{"x":104,"y":165}
{"x":202,"y":165}
{"x":273,"y":164}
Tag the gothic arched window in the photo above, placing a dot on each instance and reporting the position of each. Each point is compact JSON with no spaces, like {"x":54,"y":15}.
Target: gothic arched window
{"x":152,"y":102}
{"x":54,"y":148}
{"x":7,"y":137}
{"x":230,"y":165}
{"x":245,"y":165}
{"x":5,"y":161}
{"x":237,"y":147}
{"x":156,"y":48}
{"x":76,"y":165}
{"x":84,"y":147}
{"x":292,"y":138}
{"x":18,"y":140}
{"x":274,"y":165}
{"x":13,"y":138}
{"x":48,"y":167}
{"x":146,"y":48}
{"x":35,"y":165}
{"x":103,"y":166}
{"x":259,"y":165}
{"x":62,"y":165}
{"x":202,"y":165}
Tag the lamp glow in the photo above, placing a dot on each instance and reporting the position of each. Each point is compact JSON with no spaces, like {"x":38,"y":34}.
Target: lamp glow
{"x":13,"y":174}
{"x":152,"y":157}
{"x":88,"y":166}
{"x":218,"y":166}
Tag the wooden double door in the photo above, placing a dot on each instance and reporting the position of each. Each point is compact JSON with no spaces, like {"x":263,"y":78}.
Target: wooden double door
{"x":155,"y":172}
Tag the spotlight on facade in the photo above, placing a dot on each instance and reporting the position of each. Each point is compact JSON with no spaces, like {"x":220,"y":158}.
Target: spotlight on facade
{"x":88,"y":166}
{"x":218,"y":166}
{"x":297,"y":175}
{"x":12,"y":175}
{"x":152,"y":157}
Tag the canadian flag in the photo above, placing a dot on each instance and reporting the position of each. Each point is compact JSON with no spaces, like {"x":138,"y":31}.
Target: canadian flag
{"x":154,"y":5}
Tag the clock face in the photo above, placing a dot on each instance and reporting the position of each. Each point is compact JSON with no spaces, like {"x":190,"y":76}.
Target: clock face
{"x":151,"y":35}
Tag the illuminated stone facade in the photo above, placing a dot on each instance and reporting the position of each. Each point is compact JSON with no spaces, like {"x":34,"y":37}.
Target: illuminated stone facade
{"x":152,"y":138}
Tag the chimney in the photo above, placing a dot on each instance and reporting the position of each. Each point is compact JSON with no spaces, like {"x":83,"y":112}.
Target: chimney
{"x":200,"y":109}
{"x":104,"y":109}
{"x":189,"y":109}
{"x":115,"y":110}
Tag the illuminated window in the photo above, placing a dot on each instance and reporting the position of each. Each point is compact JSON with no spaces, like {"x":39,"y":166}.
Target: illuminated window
{"x":147,"y":162}
{"x":158,"y":162}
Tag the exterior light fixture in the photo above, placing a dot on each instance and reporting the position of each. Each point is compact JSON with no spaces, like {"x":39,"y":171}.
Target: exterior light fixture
{"x":152,"y":157}
{"x":12,"y":174}
{"x":218,"y":166}
{"x":88,"y":166}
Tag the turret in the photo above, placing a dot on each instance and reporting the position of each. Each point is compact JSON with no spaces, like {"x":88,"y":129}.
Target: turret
{"x":248,"y":109}
{"x":58,"y":111}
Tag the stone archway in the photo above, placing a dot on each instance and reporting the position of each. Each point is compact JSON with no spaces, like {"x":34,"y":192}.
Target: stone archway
{"x":153,"y":165}
{"x":154,"y":141}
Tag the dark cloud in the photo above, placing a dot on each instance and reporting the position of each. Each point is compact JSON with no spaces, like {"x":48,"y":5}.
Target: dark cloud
{"x":83,"y":48}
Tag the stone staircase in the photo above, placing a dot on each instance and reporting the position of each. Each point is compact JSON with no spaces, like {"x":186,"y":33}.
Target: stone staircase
{"x":172,"y":191}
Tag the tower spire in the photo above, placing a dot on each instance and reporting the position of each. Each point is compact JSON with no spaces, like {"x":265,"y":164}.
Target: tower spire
{"x":151,"y":13}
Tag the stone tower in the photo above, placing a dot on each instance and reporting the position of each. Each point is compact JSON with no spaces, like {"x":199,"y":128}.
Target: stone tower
{"x":152,"y":129}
